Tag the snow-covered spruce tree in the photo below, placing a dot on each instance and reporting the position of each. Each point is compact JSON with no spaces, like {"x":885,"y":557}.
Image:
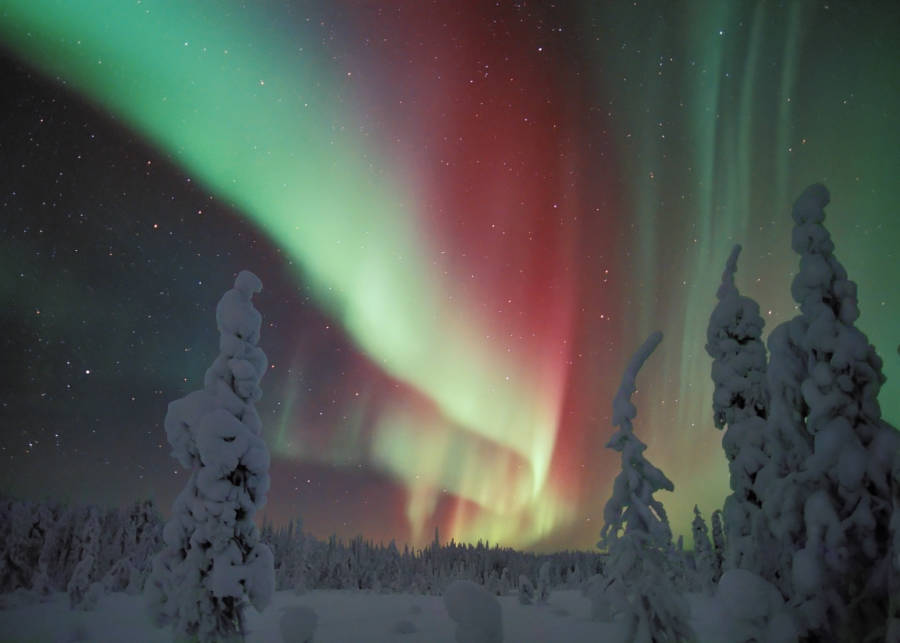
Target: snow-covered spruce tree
{"x":213,"y":562}
{"x":21,"y":546}
{"x":544,"y":585}
{"x":79,"y":587}
{"x":526,"y":590}
{"x":828,"y":497}
{"x":704,"y":557}
{"x":718,"y":543}
{"x":636,"y":531}
{"x":740,"y":402}
{"x":143,"y":536}
{"x":505,"y":584}
{"x":82,"y":592}
{"x":893,"y":623}
{"x":47,"y":575}
{"x":733,"y":340}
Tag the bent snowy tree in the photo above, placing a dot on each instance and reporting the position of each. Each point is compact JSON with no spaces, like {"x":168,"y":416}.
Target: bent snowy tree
{"x":636,"y":531}
{"x":213,"y":562}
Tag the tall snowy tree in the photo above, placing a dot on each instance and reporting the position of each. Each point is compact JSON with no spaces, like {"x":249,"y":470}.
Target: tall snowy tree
{"x":636,"y":530}
{"x":740,"y":402}
{"x":21,"y":546}
{"x":704,"y":557}
{"x":718,"y":541}
{"x":47,"y":577}
{"x":83,"y":591}
{"x":828,"y":497}
{"x":893,"y":624}
{"x":213,"y":562}
{"x":143,"y":535}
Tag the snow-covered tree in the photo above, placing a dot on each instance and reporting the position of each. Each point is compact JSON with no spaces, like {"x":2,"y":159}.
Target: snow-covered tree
{"x":740,"y":402}
{"x":734,"y":341}
{"x":828,"y":488}
{"x":70,"y":540}
{"x":112,"y":541}
{"x":213,"y":562}
{"x":21,"y":546}
{"x":289,"y":557}
{"x":142,"y":538}
{"x":893,"y":621}
{"x":120,"y":576}
{"x":544,"y":583}
{"x":91,"y":536}
{"x":526,"y":590}
{"x":704,"y":557}
{"x":718,"y":543}
{"x":49,"y":571}
{"x":636,"y":530}
{"x":505,"y":583}
{"x":82,"y":593}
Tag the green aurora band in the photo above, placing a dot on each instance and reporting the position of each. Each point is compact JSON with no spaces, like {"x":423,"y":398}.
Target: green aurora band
{"x":241,"y":107}
{"x":731,"y":109}
{"x":724,"y":114}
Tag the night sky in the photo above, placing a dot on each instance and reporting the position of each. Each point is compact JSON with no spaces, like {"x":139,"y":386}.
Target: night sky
{"x":465,"y":215}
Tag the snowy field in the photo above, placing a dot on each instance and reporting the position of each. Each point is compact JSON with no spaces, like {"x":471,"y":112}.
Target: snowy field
{"x":343,"y":617}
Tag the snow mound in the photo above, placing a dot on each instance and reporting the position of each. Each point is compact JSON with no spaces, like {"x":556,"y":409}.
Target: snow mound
{"x":298,"y":624}
{"x":745,"y":607}
{"x":476,"y":613}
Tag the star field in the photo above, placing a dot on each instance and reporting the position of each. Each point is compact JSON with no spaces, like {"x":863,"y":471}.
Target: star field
{"x":464,"y":218}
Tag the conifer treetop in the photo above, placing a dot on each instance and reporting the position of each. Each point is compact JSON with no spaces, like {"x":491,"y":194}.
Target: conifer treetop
{"x":727,"y":287}
{"x":733,"y":340}
{"x":821,"y":280}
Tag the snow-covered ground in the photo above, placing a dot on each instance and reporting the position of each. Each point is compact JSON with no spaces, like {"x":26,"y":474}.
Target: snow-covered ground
{"x":343,"y":617}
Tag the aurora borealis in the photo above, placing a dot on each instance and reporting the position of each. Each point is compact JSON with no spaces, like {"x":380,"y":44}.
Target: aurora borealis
{"x":466,"y":216}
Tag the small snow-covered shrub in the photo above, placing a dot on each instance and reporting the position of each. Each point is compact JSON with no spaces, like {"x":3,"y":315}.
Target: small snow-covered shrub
{"x":526,"y":590}
{"x":16,"y":598}
{"x":704,"y":556}
{"x":595,"y":591}
{"x":505,"y":582}
{"x":41,"y":585}
{"x":79,"y":595}
{"x":92,"y":597}
{"x":404,"y":626}
{"x":298,"y":624}
{"x":476,"y":612}
{"x":543,"y":588}
{"x":119,"y":577}
{"x":77,"y":633}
